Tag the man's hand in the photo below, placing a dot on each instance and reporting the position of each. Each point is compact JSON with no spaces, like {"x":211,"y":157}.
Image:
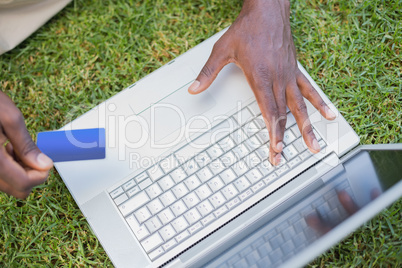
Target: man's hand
{"x":261,"y":44}
{"x":22,"y":165}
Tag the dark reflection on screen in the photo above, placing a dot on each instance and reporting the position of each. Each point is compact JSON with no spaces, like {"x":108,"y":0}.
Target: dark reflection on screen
{"x":363,"y":178}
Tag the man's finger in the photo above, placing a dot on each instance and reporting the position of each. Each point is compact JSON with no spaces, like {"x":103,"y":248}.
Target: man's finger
{"x":298,"y":108}
{"x":13,"y":126}
{"x":216,"y":61}
{"x":262,"y":88}
{"x":312,"y":95}
{"x":8,"y":189}
{"x":278,"y":127}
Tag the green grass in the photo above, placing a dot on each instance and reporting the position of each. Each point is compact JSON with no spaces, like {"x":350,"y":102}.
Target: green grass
{"x":93,"y":49}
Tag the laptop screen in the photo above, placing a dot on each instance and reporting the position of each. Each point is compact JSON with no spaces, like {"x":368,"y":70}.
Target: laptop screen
{"x":352,"y":186}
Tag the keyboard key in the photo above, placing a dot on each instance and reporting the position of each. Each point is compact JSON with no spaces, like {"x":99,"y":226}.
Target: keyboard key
{"x":294,"y":162}
{"x":263,"y":136}
{"x":133,"y":191}
{"x":205,"y":208}
{"x":259,"y":120}
{"x":288,"y":233}
{"x":290,"y":121}
{"x":191,"y":200}
{"x":258,"y":186}
{"x":266,"y":168}
{"x":276,"y":256}
{"x":169,"y":245}
{"x":167,"y":198}
{"x":282,"y":170}
{"x":239,"y":136}
{"x":217,"y":200}
{"x":252,"y":160}
{"x":215,"y":151}
{"x":263,"y":152}
{"x":220,"y":211}
{"x":253,"y":258}
{"x":131,"y":183}
{"x":152,"y":242}
{"x":145,"y":183}
{"x":299,"y":145}
{"x":169,"y":163}
{"x":203,"y":192}
{"x":208,"y":219}
{"x":227,"y":143}
{"x":318,"y":136}
{"x":229,"y":192}
{"x":156,"y":253}
{"x":184,"y":235}
{"x":241,"y":264}
{"x":242,"y":184}
{"x":245,"y":195}
{"x":232,"y":203}
{"x":192,"y":182}
{"x":243,"y":116}
{"x":134,"y":203}
{"x":251,"y":128}
{"x":115,"y":193}
{"x":142,"y":214}
{"x":254,"y":108}
{"x":166,"y":216}
{"x":288,"y":137}
{"x":270,"y":178}
{"x":296,"y":131}
{"x":228,"y":159}
{"x":253,"y":143}
{"x":192,"y":216}
{"x":215,"y":184}
{"x":179,"y":224}
{"x":141,"y":177}
{"x":166,"y":183}
{"x":167,"y":232}
{"x":178,"y":175}
{"x":195,"y":228}
{"x":306,"y":154}
{"x":216,"y":166}
{"x":228,"y":176}
{"x":205,"y":174}
{"x":155,"y":206}
{"x":276,"y":241}
{"x":180,"y":190}
{"x":140,"y":231}
{"x":202,"y":159}
{"x":155,"y":172}
{"x":241,"y":151}
{"x":240,"y":168}
{"x":153,"y":191}
{"x":289,"y":152}
{"x":120,"y":199}
{"x":253,"y":175}
{"x":153,"y":224}
{"x":178,"y":208}
{"x":190,"y":167}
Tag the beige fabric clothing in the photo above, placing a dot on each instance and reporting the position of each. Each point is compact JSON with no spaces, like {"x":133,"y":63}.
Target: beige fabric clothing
{"x":20,"y":18}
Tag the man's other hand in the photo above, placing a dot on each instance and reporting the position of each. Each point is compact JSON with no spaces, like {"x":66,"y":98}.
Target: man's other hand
{"x":261,"y":44}
{"x":22,"y":165}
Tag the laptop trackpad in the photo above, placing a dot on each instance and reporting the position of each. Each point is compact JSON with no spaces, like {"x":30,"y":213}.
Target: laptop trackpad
{"x":176,"y":114}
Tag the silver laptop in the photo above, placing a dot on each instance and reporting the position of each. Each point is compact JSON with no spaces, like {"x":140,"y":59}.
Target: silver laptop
{"x":187,"y":176}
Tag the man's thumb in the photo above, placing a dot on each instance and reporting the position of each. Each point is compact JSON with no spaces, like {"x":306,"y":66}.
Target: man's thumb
{"x":208,"y":73}
{"x":31,"y":156}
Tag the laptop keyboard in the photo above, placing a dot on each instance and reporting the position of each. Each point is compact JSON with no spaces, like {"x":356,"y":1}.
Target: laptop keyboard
{"x":179,"y":196}
{"x":276,"y":243}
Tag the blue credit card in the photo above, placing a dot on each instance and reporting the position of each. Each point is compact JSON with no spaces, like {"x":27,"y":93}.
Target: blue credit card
{"x":73,"y":145}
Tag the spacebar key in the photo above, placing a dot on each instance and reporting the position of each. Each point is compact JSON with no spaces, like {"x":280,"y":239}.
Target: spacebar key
{"x":134,"y":203}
